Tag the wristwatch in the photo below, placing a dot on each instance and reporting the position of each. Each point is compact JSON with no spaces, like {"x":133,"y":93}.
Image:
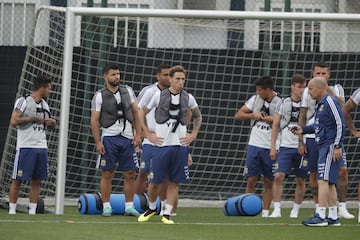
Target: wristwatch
{"x":337,"y":146}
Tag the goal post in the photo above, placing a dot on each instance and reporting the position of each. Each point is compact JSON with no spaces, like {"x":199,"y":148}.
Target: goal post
{"x":64,"y":112}
{"x":224,"y":52}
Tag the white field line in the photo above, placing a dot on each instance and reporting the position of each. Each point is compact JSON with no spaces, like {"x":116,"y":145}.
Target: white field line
{"x":176,"y":223}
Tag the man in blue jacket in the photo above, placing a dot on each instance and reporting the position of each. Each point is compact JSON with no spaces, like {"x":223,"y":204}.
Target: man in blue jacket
{"x":329,"y":129}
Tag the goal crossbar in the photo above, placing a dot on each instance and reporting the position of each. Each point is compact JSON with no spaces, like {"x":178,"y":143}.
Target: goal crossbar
{"x":209,"y":14}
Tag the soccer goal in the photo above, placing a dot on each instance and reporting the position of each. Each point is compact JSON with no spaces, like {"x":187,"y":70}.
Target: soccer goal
{"x":224,"y":52}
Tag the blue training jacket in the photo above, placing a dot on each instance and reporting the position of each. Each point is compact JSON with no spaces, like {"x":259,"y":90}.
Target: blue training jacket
{"x":329,"y":126}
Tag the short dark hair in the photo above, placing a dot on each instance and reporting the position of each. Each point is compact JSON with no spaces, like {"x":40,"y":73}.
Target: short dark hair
{"x":177,"y":68}
{"x":161,"y":67}
{"x":41,"y":81}
{"x":298,"y":78}
{"x":110,"y":66}
{"x":321,"y":65}
{"x":265,"y":82}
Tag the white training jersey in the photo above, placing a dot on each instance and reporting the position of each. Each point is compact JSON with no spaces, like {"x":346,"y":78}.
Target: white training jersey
{"x":356,"y":96}
{"x":118,"y":127}
{"x":338,"y":90}
{"x":144,"y":98}
{"x":288,"y":139}
{"x":165,"y":130}
{"x":260,"y":135}
{"x":33,"y":136}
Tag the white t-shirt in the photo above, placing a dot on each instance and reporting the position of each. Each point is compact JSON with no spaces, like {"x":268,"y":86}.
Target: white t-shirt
{"x":118,"y":127}
{"x":260,"y":135}
{"x":35,"y":135}
{"x":144,"y":98}
{"x":165,"y":130}
{"x":356,"y":96}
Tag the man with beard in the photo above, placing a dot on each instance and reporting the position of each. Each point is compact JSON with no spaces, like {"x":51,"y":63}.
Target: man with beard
{"x":114,"y":108}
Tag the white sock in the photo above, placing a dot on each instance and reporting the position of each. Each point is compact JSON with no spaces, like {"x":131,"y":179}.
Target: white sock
{"x":12,"y":207}
{"x":321,"y":212}
{"x":277,"y":206}
{"x":265,"y":213}
{"x":333,"y":212}
{"x":168,"y":209}
{"x":32,"y":208}
{"x":152,"y":205}
{"x":342,"y":205}
{"x":128,"y":205}
{"x":106,"y":204}
{"x":296,"y":206}
{"x":316,"y":207}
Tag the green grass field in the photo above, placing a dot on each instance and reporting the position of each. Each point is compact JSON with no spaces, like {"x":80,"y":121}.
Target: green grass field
{"x":191,"y":223}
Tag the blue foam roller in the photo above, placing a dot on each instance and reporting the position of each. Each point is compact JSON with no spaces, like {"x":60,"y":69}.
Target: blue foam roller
{"x":243,"y":205}
{"x":230,"y":207}
{"x":90,"y":204}
{"x":249,"y":204}
{"x":141,"y":202}
{"x":117,"y":202}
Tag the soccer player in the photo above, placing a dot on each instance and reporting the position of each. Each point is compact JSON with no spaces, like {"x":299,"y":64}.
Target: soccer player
{"x":172,"y":138}
{"x":347,"y":109}
{"x":307,"y":146}
{"x":31,"y":116}
{"x":329,"y":129}
{"x":286,"y":116}
{"x":114,"y":108}
{"x":260,"y":108}
{"x":149,"y":150}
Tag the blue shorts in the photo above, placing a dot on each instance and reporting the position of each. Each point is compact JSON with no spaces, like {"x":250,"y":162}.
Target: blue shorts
{"x":258,"y":162}
{"x":312,"y":154}
{"x":327,"y":168}
{"x":118,"y":150}
{"x":289,"y":158}
{"x":31,"y":163}
{"x":343,"y":162}
{"x":171,"y":161}
{"x":148,"y":153}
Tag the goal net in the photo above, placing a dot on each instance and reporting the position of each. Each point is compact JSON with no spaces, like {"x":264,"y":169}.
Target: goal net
{"x":224,"y":53}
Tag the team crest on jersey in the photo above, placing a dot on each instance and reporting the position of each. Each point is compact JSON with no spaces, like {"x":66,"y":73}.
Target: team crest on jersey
{"x":142,"y":165}
{"x":305,"y":163}
{"x":321,"y":107}
{"x":103,"y":162}
{"x":150,"y":176}
{"x":20,"y":173}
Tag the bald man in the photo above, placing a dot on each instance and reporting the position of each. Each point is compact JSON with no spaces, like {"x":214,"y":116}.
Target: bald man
{"x":329,"y":129}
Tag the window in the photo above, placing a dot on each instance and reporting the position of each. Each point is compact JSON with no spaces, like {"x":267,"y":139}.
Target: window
{"x":236,"y":36}
{"x":303,"y":36}
{"x":16,"y":20}
{"x":127,"y":32}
